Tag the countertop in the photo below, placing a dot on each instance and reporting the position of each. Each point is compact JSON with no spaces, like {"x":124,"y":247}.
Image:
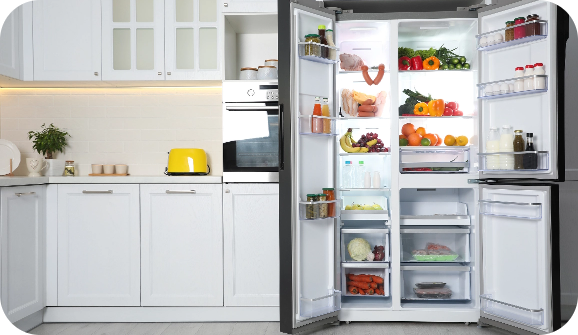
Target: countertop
{"x":23,"y":180}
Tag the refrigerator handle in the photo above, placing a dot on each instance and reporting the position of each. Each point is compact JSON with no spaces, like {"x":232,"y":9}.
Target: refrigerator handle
{"x":281,"y":139}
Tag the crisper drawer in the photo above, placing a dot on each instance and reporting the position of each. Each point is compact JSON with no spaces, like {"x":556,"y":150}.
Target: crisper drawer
{"x":378,"y":240}
{"x":434,"y":159}
{"x":378,"y":271}
{"x":435,"y":244}
{"x":435,"y":283}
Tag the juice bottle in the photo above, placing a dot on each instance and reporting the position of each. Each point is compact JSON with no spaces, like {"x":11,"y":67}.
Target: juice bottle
{"x":316,"y":123}
{"x":325,"y":112}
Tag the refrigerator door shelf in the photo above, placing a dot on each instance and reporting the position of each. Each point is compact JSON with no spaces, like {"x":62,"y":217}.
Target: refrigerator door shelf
{"x":543,"y":34}
{"x":513,"y":210}
{"x":543,"y":161}
{"x":368,"y":268}
{"x":488,"y":90}
{"x":311,"y":51}
{"x":527,"y":316}
{"x":306,"y":125}
{"x":319,"y":210}
{"x":313,"y":307}
{"x":375,"y":237}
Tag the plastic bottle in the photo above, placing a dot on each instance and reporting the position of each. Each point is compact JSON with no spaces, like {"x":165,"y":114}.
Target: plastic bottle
{"x":360,"y":175}
{"x":325,"y":112}
{"x":529,"y":82}
{"x":317,"y":123}
{"x":493,"y":145}
{"x":540,"y":81}
{"x":507,"y":145}
{"x":347,"y":174}
{"x":329,"y":35}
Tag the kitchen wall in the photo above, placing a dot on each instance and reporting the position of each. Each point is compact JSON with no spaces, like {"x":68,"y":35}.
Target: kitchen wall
{"x":134,"y":126}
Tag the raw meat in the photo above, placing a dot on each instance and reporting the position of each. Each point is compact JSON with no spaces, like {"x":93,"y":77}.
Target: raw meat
{"x":380,"y":103}
{"x":433,"y":293}
{"x":350,"y":62}
{"x":348,"y":104}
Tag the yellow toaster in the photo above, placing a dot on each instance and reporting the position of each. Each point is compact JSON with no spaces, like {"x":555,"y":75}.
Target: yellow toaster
{"x":183,"y":162}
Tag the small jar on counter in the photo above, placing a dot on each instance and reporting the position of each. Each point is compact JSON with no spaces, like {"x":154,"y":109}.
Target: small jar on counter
{"x":248,"y":73}
{"x":323,"y":207}
{"x":69,"y":169}
{"x":312,"y":208}
{"x":529,"y":82}
{"x":520,"y":32}
{"x":510,"y":31}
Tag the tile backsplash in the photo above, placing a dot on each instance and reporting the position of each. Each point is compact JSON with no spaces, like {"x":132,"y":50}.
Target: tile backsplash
{"x":134,"y":126}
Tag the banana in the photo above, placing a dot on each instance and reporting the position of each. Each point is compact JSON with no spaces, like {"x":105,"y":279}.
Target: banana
{"x":348,"y":140}
{"x":364,"y":149}
{"x":371,"y":143}
{"x":345,"y":147}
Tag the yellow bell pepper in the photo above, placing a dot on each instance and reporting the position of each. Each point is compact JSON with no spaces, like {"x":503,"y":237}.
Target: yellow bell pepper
{"x":431,"y":63}
{"x":421,"y":109}
{"x":436,"y":107}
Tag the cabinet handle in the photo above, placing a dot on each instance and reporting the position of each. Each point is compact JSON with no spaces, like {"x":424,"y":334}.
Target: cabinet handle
{"x":27,"y":193}
{"x":96,"y":74}
{"x":182,"y":192}
{"x":169,"y":73}
{"x":97,"y":192}
{"x":226,"y":4}
{"x":227,"y":191}
{"x":160,"y":73}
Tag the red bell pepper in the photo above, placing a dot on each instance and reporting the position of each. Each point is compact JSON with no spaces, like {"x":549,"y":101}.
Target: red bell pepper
{"x":416,"y":63}
{"x":403,"y":63}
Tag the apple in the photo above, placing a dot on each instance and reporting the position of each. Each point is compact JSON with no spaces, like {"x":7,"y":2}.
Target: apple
{"x":448,"y":112}
{"x":458,"y":113}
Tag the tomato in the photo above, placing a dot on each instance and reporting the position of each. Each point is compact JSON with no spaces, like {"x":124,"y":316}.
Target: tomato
{"x":458,"y":113}
{"x":448,"y":111}
{"x":453,"y":105}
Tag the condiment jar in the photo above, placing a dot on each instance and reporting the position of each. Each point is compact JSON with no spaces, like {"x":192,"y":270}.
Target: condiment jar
{"x":520,"y":32}
{"x":267,"y":73}
{"x":323,"y":207}
{"x":69,"y":169}
{"x":519,"y":84}
{"x":529,"y":82}
{"x":248,"y":73}
{"x":534,"y":27}
{"x":540,"y":81}
{"x":510,"y":31}
{"x":272,"y":62}
{"x":312,"y":208}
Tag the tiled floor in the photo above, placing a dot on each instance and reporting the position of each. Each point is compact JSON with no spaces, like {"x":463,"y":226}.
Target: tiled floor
{"x":260,"y":328}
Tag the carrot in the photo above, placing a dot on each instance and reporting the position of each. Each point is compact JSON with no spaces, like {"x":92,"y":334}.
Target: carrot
{"x":377,"y":279}
{"x":352,"y":289}
{"x":373,"y":285}
{"x":362,"y":292}
{"x":370,"y":291}
{"x":360,"y":278}
{"x":359,"y":284}
{"x":378,"y":291}
{"x":380,"y":286}
{"x":365,"y":114}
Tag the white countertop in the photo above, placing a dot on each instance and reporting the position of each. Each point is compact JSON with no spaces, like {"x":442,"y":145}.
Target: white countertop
{"x":22,"y":180}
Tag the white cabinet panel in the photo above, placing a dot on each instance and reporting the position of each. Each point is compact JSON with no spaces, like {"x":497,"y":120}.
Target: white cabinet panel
{"x":22,"y":231}
{"x":10,"y":45}
{"x":249,"y":6}
{"x":67,"y":40}
{"x":98,"y":245}
{"x":251,"y":224}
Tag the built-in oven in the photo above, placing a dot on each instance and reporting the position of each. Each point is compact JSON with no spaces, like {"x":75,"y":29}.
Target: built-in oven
{"x":251,"y":132}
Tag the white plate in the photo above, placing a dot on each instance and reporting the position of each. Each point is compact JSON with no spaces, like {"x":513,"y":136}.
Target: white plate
{"x":8,"y":150}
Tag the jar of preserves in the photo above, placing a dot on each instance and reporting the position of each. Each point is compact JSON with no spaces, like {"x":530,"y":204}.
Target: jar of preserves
{"x":520,"y":32}
{"x":330,"y":193}
{"x":69,"y":169}
{"x":323,"y":207}
{"x":312,"y":208}
{"x":534,"y":27}
{"x":510,"y":31}
{"x":312,"y":49}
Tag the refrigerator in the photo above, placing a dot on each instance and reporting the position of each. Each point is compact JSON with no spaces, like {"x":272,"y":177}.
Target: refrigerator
{"x":501,"y":223}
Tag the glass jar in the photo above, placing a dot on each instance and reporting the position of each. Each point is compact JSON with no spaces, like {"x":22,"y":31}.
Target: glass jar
{"x":519,"y":146}
{"x":313,"y":50}
{"x":323,"y":207}
{"x":330,"y":193}
{"x":69,"y":169}
{"x":312,"y":209}
{"x":323,"y":40}
{"x":534,"y":27}
{"x":248,"y":73}
{"x":520,"y":32}
{"x":510,"y":31}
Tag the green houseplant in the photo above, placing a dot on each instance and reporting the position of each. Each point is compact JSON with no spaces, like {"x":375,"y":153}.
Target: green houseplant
{"x":49,"y":140}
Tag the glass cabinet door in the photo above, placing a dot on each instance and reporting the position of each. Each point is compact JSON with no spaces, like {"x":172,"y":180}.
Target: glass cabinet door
{"x":133,"y":40}
{"x":192,"y":40}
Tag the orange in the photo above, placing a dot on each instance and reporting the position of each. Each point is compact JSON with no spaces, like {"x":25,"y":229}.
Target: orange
{"x":402,"y":136}
{"x":432,"y":138}
{"x":462,"y":141}
{"x":421,"y":131}
{"x":407,"y":129}
{"x":414,"y":139}
{"x":439,"y":140}
{"x":449,"y":140}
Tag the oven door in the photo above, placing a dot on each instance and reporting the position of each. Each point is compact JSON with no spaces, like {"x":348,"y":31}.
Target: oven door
{"x":251,"y":143}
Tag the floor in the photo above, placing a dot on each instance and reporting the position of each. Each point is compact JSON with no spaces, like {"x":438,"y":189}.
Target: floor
{"x":259,"y":328}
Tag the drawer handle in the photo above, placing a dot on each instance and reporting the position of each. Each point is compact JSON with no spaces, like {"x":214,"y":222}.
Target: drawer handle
{"x":182,"y":192}
{"x":27,"y":193}
{"x":97,"y":192}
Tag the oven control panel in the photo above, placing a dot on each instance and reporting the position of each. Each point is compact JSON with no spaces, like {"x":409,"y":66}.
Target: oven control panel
{"x":273,"y":95}
{"x":245,"y":91}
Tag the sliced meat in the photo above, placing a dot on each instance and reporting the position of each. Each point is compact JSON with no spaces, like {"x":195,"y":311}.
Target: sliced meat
{"x":348,"y":104}
{"x":380,"y":101}
{"x":350,"y":62}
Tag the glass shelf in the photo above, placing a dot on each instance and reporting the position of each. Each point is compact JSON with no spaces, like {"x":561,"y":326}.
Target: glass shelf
{"x":528,"y":316}
{"x":369,"y":71}
{"x":365,"y":153}
{"x":543,"y":34}
{"x":377,"y":189}
{"x":418,"y":159}
{"x":434,"y":214}
{"x":313,"y":307}
{"x":428,"y":71}
{"x":543,"y":162}
{"x":307,"y":51}
{"x":539,"y":81}
{"x":344,"y":118}
{"x":436,"y":118}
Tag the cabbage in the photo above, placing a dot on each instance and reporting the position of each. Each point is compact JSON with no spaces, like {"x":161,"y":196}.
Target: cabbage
{"x":358,"y":249}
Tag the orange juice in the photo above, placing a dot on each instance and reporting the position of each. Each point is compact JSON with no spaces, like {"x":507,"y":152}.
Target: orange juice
{"x":325,"y":112}
{"x":316,"y":123}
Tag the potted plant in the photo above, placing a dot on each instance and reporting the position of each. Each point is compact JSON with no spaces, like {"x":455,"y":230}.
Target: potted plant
{"x":48,"y":142}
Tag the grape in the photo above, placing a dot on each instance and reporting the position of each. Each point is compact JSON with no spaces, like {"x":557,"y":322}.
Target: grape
{"x":379,"y":141}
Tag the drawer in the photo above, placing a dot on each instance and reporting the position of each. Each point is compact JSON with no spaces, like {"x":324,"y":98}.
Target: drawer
{"x":437,"y":159}
{"x":456,"y":278}
{"x":435,"y":244}
{"x":377,"y":269}
{"x":375,"y":237}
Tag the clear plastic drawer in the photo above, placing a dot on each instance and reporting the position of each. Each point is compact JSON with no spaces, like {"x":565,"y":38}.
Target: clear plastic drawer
{"x":375,"y":237}
{"x":434,"y":159}
{"x":316,"y":306}
{"x":435,"y":283}
{"x":380,"y":270}
{"x":435,"y":244}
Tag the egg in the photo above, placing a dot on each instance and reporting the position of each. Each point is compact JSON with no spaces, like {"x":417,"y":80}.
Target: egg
{"x":496,"y":88}
{"x":491,"y":40}
{"x":498,"y":38}
{"x":488,"y":90}
{"x":483,"y":41}
{"x":504,"y":88}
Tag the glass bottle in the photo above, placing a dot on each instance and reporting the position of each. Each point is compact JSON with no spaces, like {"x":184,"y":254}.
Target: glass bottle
{"x":330,"y":194}
{"x":317,"y":123}
{"x":325,"y":112}
{"x":312,"y":209}
{"x":323,"y":208}
{"x":69,"y":169}
{"x":530,"y":160}
{"x":506,"y":145}
{"x":493,"y":145}
{"x":510,"y":31}
{"x":323,"y":39}
{"x":519,"y":146}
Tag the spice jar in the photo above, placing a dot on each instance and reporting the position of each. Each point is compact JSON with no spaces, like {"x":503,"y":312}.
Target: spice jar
{"x":312,"y":209}
{"x":69,"y":169}
{"x":312,"y":49}
{"x":330,"y":193}
{"x":510,"y":31}
{"x":519,"y":32}
{"x":323,"y":207}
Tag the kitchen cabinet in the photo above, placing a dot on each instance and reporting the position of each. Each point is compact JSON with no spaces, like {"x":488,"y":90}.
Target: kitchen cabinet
{"x":16,"y":44}
{"x":251,"y":237}
{"x":98,"y":245}
{"x":192,"y":39}
{"x":182,"y":245}
{"x":67,"y":42}
{"x":249,"y":6}
{"x":22,"y":256}
{"x":133,"y":40}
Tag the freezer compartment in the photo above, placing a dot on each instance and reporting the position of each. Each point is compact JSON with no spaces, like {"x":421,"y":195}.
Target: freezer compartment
{"x":375,"y":269}
{"x":435,"y":244}
{"x":319,"y":210}
{"x":489,"y":162}
{"x":317,"y":125}
{"x":434,"y":159}
{"x":514,"y":210}
{"x":456,"y":279}
{"x":375,"y":237}
{"x":313,"y":307}
{"x":312,"y":51}
{"x":496,"y":39}
{"x":513,"y":87}
{"x":360,"y":206}
{"x":527,"y":316}
{"x":434,"y":213}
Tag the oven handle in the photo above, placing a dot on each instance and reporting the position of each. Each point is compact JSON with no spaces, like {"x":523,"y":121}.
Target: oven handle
{"x":281,"y":140}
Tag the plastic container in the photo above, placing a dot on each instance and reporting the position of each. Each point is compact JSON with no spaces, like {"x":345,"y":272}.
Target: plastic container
{"x":493,"y":145}
{"x":427,"y":285}
{"x":540,"y":83}
{"x":506,"y":145}
{"x":529,"y":82}
{"x":433,"y":293}
{"x":347,"y":175}
{"x":359,"y":175}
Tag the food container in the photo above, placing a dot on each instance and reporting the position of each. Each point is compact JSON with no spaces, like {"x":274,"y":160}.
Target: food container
{"x":520,"y":32}
{"x":248,"y":73}
{"x":433,"y":293}
{"x":312,"y":209}
{"x":430,"y":285}
{"x":272,"y":62}
{"x":267,"y":73}
{"x":435,"y":258}
{"x":69,"y":169}
{"x":510,"y":31}
{"x":323,"y":207}
{"x":313,"y":50}
{"x":496,"y":89}
{"x":504,"y":88}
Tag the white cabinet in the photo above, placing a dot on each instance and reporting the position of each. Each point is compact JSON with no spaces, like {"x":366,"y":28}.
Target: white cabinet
{"x":182,"y":245}
{"x":251,"y":231}
{"x":192,"y":39}
{"x":67,"y":41}
{"x":16,"y":44}
{"x":133,"y":43}
{"x":249,"y":6}
{"x":22,"y":232}
{"x":98,"y":245}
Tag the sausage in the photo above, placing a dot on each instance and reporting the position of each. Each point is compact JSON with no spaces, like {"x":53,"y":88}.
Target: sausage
{"x":367,"y":108}
{"x":380,"y":74}
{"x":364,"y":71}
{"x":368,"y":102}
{"x":365,"y":114}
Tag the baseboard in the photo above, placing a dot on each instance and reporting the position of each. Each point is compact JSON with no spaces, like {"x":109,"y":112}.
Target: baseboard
{"x":30,"y":322}
{"x":161,"y":314}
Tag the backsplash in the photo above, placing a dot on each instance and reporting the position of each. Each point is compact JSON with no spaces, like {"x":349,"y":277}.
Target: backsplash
{"x":134,"y":126}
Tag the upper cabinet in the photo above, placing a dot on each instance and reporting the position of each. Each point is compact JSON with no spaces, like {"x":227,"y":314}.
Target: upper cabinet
{"x":133,"y":41}
{"x":16,"y":44}
{"x":66,"y":39}
{"x":249,"y":6}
